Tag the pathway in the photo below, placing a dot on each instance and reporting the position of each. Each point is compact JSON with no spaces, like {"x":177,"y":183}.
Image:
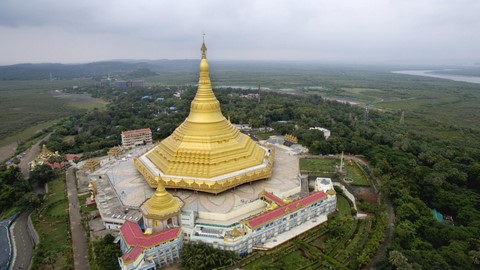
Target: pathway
{"x":382,"y":250}
{"x":79,"y":237}
{"x":23,"y":244}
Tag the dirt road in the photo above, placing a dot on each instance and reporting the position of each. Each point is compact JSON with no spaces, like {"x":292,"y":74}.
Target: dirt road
{"x":30,"y":155}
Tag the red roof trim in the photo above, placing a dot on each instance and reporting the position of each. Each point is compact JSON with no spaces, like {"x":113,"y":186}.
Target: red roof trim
{"x":273,"y":198}
{"x":131,"y":255}
{"x":73,"y":156}
{"x":281,"y":211}
{"x":133,"y":235}
{"x":57,"y":165}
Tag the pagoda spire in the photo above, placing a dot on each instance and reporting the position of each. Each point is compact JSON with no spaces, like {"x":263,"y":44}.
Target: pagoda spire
{"x":205,"y":108}
{"x":204,"y":48}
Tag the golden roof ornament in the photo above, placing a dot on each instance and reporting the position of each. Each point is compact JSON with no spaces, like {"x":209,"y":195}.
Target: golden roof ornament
{"x":204,"y":48}
{"x":161,"y":205}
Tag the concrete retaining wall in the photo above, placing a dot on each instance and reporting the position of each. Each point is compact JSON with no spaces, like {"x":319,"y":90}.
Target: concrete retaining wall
{"x":346,"y":193}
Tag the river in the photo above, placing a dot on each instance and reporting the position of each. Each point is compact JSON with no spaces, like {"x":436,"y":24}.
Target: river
{"x":430,"y":73}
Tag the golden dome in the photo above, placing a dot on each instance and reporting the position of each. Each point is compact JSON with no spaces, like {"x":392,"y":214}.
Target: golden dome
{"x":206,"y":145}
{"x":161,"y":205}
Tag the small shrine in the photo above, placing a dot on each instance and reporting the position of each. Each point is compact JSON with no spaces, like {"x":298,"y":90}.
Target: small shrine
{"x":90,"y":165}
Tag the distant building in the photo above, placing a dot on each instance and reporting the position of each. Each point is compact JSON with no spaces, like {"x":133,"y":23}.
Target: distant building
{"x":251,"y":96}
{"x":243,"y":127}
{"x":129,"y":84}
{"x":326,"y":132}
{"x":136,"y":137}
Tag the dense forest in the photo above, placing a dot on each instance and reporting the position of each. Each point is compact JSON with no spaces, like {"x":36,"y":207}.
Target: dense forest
{"x":432,"y":165}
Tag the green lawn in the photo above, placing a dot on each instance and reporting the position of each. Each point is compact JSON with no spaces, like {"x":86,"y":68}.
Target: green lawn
{"x":343,"y":206}
{"x":51,"y":223}
{"x":263,"y":135}
{"x":318,"y":165}
{"x":356,"y":174}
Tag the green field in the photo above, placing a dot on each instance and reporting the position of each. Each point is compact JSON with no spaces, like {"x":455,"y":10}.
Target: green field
{"x":319,"y":166}
{"x":356,"y":174}
{"x":30,"y":106}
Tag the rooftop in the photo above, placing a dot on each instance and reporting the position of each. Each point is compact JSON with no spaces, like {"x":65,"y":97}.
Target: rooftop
{"x":128,"y":132}
{"x":125,"y":187}
{"x":133,"y":235}
{"x":278,"y":212}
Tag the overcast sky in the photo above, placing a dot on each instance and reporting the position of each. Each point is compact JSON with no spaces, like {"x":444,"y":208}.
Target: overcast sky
{"x":382,"y":31}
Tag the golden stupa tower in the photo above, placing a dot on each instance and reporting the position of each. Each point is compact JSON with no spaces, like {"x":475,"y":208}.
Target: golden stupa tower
{"x":206,"y":152}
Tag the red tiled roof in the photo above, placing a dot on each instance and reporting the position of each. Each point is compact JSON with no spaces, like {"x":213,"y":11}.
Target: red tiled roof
{"x":133,"y":235}
{"x":127,"y":132}
{"x":73,"y":156}
{"x":273,"y":198}
{"x":131,"y":255}
{"x":57,"y":165}
{"x":281,"y":211}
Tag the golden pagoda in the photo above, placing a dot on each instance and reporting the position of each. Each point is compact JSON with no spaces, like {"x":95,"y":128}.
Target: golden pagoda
{"x":161,"y":210}
{"x":206,"y":152}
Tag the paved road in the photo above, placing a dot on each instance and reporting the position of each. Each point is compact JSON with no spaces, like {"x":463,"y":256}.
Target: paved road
{"x":23,"y":243}
{"x":79,"y":238}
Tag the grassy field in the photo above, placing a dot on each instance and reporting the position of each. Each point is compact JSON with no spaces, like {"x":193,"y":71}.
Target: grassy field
{"x":343,"y":206}
{"x":356,"y":174}
{"x":29,"y":106}
{"x":51,"y":223}
{"x":262,"y":135}
{"x":320,"y":166}
{"x":27,"y":133}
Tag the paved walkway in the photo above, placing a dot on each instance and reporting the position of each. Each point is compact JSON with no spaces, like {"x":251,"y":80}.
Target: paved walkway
{"x":22,"y":243}
{"x":79,"y":238}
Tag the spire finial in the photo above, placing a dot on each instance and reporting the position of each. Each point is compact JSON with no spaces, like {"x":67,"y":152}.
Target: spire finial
{"x":204,"y":48}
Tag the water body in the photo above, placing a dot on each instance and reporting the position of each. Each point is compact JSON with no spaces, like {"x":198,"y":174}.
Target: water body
{"x":431,"y":73}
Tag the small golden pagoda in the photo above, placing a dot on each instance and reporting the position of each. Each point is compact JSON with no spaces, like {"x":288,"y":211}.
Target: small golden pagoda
{"x":43,"y":157}
{"x":115,"y":151}
{"x":161,"y":210}
{"x":90,"y":165}
{"x":290,"y":138}
{"x":206,"y":152}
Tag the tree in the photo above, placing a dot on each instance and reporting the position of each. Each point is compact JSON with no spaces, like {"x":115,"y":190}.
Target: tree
{"x":475,"y":256}
{"x":199,"y":256}
{"x":41,"y":174}
{"x":397,"y":259}
{"x":106,"y":253}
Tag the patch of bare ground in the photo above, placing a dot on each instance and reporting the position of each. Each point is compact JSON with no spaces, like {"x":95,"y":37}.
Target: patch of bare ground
{"x":7,"y":151}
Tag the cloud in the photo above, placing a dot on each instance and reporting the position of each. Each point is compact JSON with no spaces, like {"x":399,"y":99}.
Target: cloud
{"x":369,"y":30}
